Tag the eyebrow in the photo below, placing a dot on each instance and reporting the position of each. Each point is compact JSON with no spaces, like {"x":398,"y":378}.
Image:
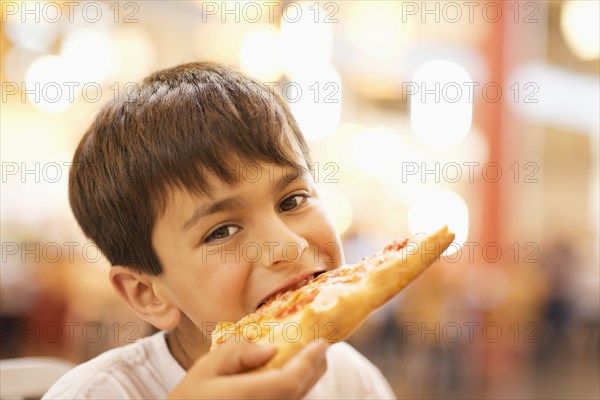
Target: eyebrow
{"x":232,"y":203}
{"x":227,"y":204}
{"x":288,"y":178}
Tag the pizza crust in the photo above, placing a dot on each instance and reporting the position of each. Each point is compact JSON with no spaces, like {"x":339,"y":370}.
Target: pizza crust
{"x":339,"y":308}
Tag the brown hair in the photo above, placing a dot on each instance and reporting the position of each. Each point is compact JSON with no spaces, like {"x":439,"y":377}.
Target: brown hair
{"x":176,"y":125}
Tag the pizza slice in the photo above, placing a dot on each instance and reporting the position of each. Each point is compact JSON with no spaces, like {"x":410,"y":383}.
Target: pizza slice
{"x":332,"y":305}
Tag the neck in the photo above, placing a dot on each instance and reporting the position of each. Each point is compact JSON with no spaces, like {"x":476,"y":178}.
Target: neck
{"x":187,"y":345}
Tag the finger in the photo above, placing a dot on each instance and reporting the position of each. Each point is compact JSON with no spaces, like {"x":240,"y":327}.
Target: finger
{"x":319,"y":369}
{"x":294,"y":380}
{"x":208,"y":377}
{"x":246,"y":357}
{"x":241,"y":357}
{"x":310,"y":365}
{"x":310,"y":355}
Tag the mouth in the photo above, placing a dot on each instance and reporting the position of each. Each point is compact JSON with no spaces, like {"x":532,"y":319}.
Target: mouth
{"x":294,"y":285}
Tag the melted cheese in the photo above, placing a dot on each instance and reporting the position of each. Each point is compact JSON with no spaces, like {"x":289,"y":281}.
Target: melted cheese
{"x":329,"y":295}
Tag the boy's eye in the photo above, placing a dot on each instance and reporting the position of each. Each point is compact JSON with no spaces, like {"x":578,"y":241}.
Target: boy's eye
{"x":293,"y":202}
{"x":221,"y":233}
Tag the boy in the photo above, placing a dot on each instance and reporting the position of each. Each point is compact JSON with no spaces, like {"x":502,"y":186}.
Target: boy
{"x":197,"y":189}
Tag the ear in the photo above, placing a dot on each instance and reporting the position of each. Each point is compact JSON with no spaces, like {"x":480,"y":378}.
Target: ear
{"x":137,"y":289}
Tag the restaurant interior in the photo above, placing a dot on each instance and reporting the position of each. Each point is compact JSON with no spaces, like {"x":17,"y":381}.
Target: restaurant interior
{"x":483,"y":115}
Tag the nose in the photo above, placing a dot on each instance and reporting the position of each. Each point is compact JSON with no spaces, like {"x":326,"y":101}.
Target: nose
{"x":280,"y":243}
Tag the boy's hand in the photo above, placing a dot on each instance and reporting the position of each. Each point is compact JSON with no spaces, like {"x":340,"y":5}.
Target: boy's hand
{"x":220,"y":373}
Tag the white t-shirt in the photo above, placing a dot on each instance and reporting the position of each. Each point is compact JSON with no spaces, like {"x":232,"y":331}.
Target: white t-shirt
{"x":147,"y":370}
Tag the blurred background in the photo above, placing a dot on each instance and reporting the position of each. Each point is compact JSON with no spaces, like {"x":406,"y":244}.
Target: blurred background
{"x":483,"y":114}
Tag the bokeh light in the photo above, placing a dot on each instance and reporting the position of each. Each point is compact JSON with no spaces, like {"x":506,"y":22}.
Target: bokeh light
{"x":338,"y":206}
{"x":259,"y":53}
{"x":432,"y":208}
{"x":315,"y":99}
{"x":580,"y":24}
{"x":32,"y":31}
{"x":380,"y":151}
{"x":306,"y":37}
{"x":91,"y":53}
{"x":50,"y":83}
{"x":137,"y":54}
{"x":441,"y":107}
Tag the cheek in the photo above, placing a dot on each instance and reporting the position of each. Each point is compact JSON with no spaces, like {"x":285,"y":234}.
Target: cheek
{"x":331,"y":254}
{"x":224,"y":283}
{"x":209,"y":288}
{"x":324,"y":235}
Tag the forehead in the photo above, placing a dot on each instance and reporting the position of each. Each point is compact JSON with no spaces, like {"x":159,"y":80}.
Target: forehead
{"x":242,"y":175}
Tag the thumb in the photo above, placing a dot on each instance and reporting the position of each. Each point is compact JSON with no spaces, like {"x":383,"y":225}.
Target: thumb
{"x":241,"y":357}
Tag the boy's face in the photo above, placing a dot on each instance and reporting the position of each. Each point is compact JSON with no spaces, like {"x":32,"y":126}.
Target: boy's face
{"x":225,"y":254}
